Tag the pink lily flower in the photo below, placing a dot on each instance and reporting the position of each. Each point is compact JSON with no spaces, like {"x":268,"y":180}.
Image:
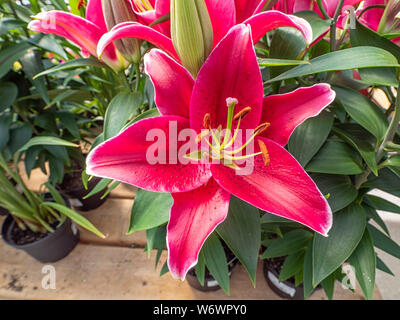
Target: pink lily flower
{"x":375,"y":19}
{"x":86,"y":33}
{"x":201,"y":189}
{"x":292,"y":6}
{"x":224,"y":14}
{"x":149,"y":11}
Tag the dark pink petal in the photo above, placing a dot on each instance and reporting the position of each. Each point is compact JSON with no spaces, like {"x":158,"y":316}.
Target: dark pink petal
{"x":127,"y":158}
{"x":292,"y":6}
{"x":94,"y":13}
{"x":266,"y":21}
{"x":231,"y":71}
{"x":173,"y":84}
{"x":137,"y":30}
{"x":286,"y":111}
{"x":194,"y":216}
{"x":282,"y":188}
{"x":76,"y":29}
{"x":372,"y":17}
{"x":223,"y":17}
{"x":246,"y":8}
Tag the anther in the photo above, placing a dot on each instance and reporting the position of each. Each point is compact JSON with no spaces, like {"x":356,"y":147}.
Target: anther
{"x":242,"y":113}
{"x":261,"y":128}
{"x":207,"y":121}
{"x":265,"y":154}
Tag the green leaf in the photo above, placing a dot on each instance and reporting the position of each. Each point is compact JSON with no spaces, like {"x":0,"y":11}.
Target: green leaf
{"x":363,"y":36}
{"x":200,"y":268}
{"x":215,"y":258}
{"x":330,"y":252}
{"x":382,"y":204}
{"x":373,"y":214}
{"x":103,"y":183}
{"x":150,"y":210}
{"x":363,"y":111}
{"x":386,"y":181}
{"x":242,"y":233}
{"x":364,"y":261}
{"x":121,"y":108}
{"x":336,"y":157}
{"x":361,"y":140}
{"x":328,"y":284}
{"x":55,"y":194}
{"x":309,"y":137}
{"x":147,"y":114}
{"x":347,"y":59}
{"x":68,"y":120}
{"x":292,"y":242}
{"x":340,"y":189}
{"x":8,"y":94}
{"x":280,"y":62}
{"x":19,"y":136}
{"x":319,"y":26}
{"x":31,"y":65}
{"x":307,"y":273}
{"x":293,"y":264}
{"x":10,"y":55}
{"x":74,"y":216}
{"x":49,"y":43}
{"x":48,"y":141}
{"x":73,"y":64}
{"x":392,"y":162}
{"x":383,"y":242}
{"x":382,"y":266}
{"x":5,"y":123}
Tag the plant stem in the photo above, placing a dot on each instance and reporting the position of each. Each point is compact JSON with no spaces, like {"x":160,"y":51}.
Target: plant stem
{"x":125,"y":81}
{"x":137,"y":76}
{"x":390,"y":133}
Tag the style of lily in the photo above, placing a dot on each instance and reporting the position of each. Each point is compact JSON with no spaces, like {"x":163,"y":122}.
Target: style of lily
{"x":86,"y":33}
{"x":227,"y":94}
{"x":384,"y":20}
{"x":224,"y":14}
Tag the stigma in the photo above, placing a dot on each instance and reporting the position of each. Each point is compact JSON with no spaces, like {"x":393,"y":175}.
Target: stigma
{"x":220,"y":145}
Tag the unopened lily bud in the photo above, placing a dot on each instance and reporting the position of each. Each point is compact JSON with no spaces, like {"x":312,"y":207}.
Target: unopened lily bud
{"x":390,"y":19}
{"x":118,"y":11}
{"x":191,"y":32}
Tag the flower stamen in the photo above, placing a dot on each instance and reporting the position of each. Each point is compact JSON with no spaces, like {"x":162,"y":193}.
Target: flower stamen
{"x":264,"y":152}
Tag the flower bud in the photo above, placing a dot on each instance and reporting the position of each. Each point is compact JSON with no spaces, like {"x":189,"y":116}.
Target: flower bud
{"x":191,"y":32}
{"x":390,"y":22}
{"x":118,"y":11}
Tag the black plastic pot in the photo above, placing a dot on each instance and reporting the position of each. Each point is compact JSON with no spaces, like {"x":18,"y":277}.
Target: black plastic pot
{"x":210,"y":284}
{"x":51,"y":248}
{"x":285,"y":289}
{"x":76,"y":196}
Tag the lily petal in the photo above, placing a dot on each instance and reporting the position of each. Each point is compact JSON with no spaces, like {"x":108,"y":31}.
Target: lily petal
{"x":94,"y":14}
{"x":76,"y":29}
{"x":372,"y":17}
{"x":194,"y":216}
{"x":282,"y":188}
{"x":223,"y":17}
{"x":246,"y":8}
{"x":286,"y":111}
{"x":137,"y":30}
{"x":126,"y":157}
{"x":173,"y":84}
{"x":231,"y":71}
{"x":266,"y":21}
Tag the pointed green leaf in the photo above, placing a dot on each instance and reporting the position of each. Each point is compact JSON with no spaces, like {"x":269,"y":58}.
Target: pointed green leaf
{"x":330,"y":252}
{"x":242,"y":233}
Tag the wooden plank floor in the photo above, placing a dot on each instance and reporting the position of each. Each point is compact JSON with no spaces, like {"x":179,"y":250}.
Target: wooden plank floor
{"x":117,"y":267}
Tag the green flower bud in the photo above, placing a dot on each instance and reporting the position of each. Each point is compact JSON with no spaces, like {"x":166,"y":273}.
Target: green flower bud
{"x":192,"y":33}
{"x":118,"y":11}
